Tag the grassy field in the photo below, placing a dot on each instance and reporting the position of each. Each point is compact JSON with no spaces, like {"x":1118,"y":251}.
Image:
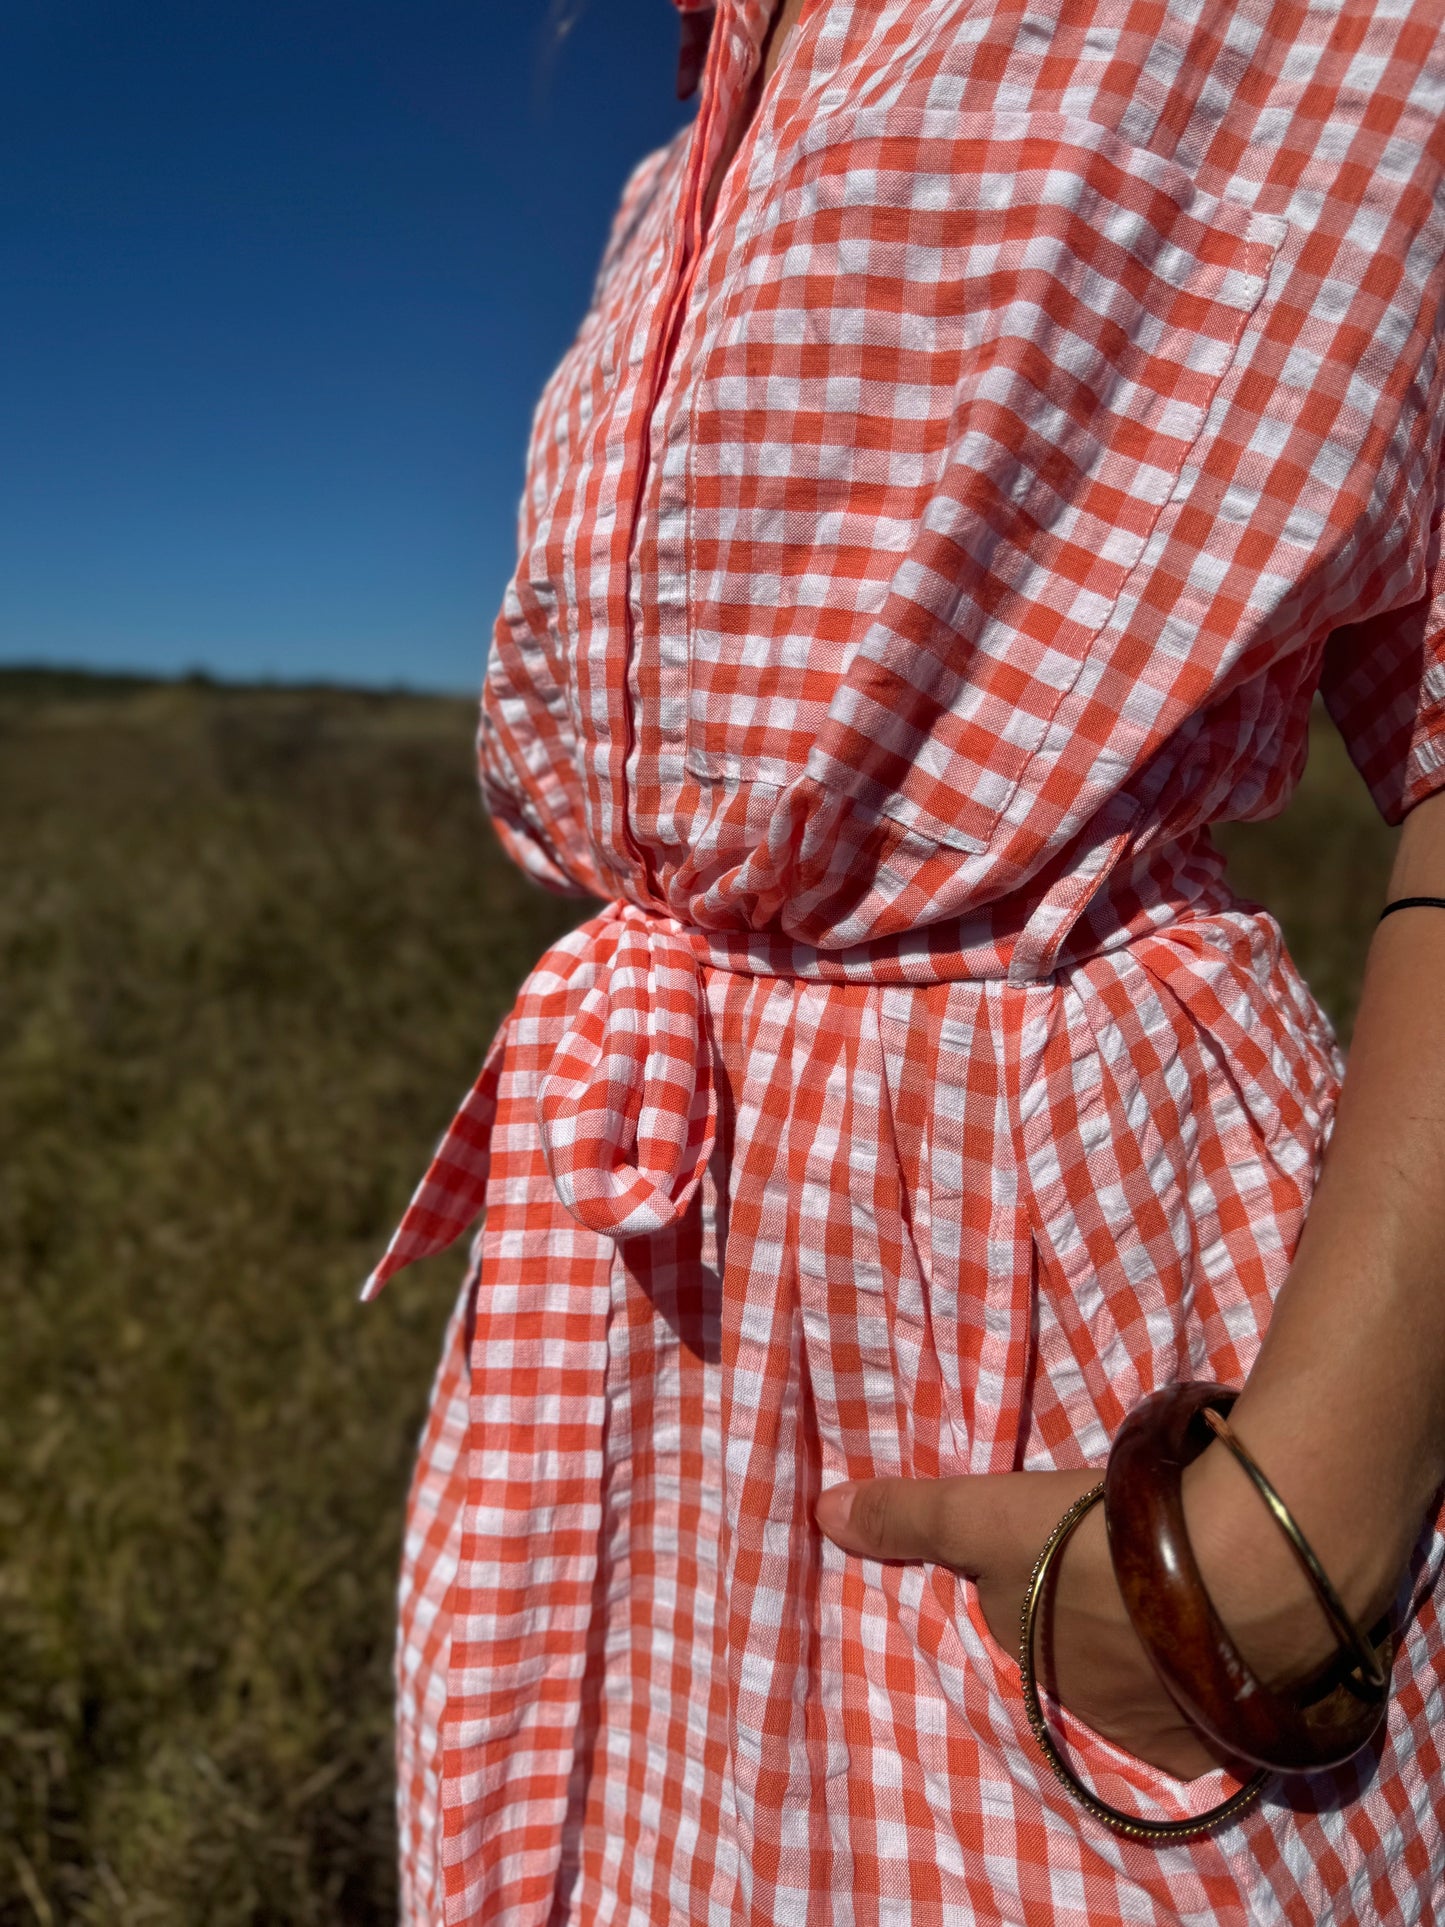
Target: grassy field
{"x":253,"y":945}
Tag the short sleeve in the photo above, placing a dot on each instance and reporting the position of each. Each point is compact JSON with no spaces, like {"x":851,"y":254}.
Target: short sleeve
{"x":1383,"y":682}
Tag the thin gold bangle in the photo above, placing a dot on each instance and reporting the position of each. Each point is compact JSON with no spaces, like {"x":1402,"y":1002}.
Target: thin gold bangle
{"x":1112,"y":1817}
{"x":1334,"y":1608}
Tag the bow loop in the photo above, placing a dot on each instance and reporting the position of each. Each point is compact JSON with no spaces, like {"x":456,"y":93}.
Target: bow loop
{"x":627,"y":1105}
{"x":627,"y":1110}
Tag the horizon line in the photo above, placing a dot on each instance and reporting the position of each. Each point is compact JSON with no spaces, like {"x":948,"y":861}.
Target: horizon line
{"x":39,"y":667}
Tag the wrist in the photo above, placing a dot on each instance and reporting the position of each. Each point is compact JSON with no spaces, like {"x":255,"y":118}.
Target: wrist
{"x":1255,"y":1579}
{"x":1349,"y":1436}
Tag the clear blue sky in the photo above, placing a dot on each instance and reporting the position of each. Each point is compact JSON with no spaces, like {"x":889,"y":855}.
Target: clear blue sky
{"x":280,"y":284}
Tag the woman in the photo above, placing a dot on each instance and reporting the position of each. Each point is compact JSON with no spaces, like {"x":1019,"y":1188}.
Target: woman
{"x":989,"y":429}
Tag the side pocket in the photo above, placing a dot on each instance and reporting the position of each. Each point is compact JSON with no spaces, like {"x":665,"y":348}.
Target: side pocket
{"x":1118,"y":1777}
{"x":1166,"y":1214}
{"x":1237,"y":987}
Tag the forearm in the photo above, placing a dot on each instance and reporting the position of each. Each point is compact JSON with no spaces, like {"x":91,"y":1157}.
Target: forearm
{"x":1345,"y":1406}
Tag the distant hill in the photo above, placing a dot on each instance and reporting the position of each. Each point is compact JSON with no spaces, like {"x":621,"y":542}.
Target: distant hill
{"x":27,"y":681}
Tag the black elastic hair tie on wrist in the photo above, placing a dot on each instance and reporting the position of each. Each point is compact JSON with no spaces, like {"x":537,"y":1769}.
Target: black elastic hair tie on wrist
{"x":1413,"y":903}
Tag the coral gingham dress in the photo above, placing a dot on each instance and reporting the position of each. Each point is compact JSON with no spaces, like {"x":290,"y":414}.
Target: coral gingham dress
{"x":914,"y":562}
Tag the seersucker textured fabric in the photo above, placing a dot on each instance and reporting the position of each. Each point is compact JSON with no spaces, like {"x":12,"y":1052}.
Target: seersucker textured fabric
{"x":914,"y":562}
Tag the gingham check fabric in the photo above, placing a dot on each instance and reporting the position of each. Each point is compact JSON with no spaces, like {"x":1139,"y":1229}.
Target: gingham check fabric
{"x":914,"y":562}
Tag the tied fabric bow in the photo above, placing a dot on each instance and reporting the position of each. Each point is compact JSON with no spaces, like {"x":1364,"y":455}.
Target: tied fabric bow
{"x":628,"y":1121}
{"x":626,"y":1107}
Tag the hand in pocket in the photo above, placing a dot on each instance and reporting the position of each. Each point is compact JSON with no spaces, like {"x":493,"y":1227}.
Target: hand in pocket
{"x":991,"y":1528}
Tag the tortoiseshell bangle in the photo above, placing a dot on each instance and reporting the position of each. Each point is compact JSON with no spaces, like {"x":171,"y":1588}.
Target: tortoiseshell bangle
{"x":1318,"y":1724}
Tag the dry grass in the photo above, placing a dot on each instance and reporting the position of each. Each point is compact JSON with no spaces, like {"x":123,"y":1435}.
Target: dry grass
{"x":253,"y":945}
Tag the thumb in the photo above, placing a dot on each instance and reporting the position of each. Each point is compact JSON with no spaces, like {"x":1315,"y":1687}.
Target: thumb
{"x":976,"y":1523}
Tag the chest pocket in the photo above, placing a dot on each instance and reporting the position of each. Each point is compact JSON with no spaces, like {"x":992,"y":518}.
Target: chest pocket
{"x":957,"y":369}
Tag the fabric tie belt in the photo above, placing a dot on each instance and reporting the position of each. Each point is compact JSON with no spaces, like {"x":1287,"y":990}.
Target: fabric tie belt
{"x":627,"y":1105}
{"x":607,"y":1051}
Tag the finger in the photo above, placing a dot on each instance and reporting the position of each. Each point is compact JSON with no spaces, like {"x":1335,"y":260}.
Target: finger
{"x":976,"y":1522}
{"x":905,"y":1519}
